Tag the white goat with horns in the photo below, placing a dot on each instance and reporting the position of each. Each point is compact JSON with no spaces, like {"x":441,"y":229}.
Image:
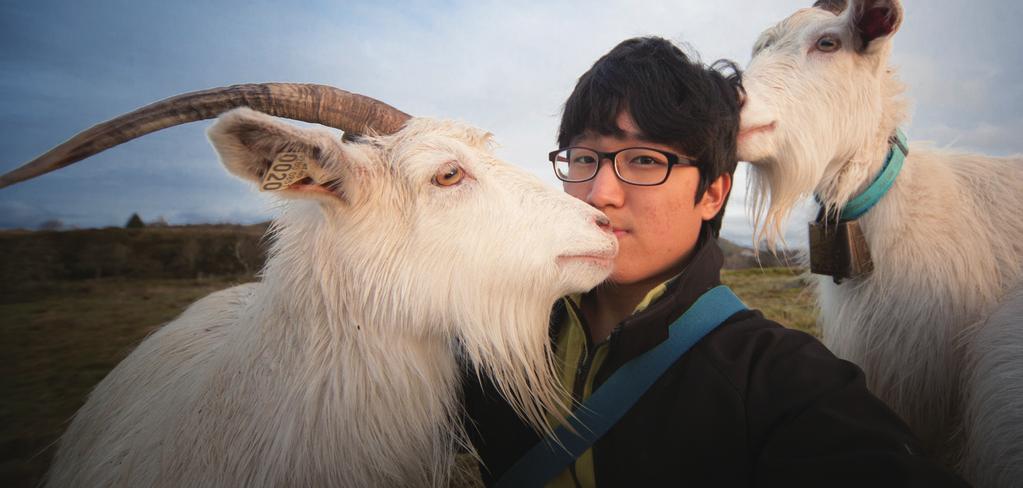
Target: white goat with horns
{"x":396,"y":254}
{"x":938,"y":324}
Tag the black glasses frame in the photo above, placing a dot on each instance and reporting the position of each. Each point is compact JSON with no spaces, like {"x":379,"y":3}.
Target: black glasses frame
{"x":673,"y":159}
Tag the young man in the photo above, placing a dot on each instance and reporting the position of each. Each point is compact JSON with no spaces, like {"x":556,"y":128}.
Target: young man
{"x":648,"y":137}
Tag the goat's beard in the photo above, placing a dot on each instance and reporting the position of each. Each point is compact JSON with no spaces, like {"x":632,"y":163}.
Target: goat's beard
{"x":497,"y":308}
{"x":508,"y":341}
{"x":778,"y":184}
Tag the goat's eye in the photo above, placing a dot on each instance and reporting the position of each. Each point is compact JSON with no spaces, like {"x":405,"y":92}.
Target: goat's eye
{"x":828,"y":43}
{"x":449,"y":176}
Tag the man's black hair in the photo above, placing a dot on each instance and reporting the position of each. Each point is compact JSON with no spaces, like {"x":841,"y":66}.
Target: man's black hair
{"x":673,"y":100}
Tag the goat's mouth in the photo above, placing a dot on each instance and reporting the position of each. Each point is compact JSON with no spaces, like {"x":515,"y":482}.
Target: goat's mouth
{"x":601,"y":259}
{"x":757,"y":129}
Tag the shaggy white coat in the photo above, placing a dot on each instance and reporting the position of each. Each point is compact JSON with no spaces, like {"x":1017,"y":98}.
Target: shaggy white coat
{"x":937,"y":326}
{"x":340,"y":367}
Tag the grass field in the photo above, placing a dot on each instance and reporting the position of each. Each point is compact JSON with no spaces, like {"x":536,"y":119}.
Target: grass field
{"x":59,"y":339}
{"x":780,"y":293}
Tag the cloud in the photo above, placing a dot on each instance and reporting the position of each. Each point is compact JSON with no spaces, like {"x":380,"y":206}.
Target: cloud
{"x":964,"y":91}
{"x":1001,"y":139}
{"x":503,"y":66}
{"x":22,"y":215}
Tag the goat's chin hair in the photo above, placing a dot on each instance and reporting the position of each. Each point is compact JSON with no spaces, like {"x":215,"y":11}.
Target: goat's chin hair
{"x":778,"y":183}
{"x":501,"y":326}
{"x":508,"y":341}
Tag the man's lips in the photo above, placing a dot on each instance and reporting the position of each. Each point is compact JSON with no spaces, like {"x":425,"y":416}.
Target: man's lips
{"x":618,"y":232}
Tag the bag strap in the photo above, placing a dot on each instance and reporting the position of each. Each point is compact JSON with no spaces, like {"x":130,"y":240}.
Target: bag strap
{"x":609,"y":403}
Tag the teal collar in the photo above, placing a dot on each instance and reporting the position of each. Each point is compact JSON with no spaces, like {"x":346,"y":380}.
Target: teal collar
{"x":863,"y":202}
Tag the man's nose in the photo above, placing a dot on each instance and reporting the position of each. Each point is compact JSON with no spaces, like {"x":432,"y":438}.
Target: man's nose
{"x":607,"y":188}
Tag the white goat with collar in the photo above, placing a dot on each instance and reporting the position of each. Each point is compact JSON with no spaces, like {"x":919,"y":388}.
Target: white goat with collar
{"x":938,"y":325}
{"x":341,"y":366}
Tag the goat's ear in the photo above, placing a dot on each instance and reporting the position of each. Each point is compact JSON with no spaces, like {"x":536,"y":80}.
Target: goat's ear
{"x":250,"y":143}
{"x":874,"y":20}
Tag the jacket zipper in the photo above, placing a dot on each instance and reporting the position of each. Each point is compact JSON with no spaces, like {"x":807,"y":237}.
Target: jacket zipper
{"x":582,"y":369}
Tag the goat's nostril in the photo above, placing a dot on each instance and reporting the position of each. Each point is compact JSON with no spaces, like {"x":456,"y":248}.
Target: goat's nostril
{"x":602,"y":221}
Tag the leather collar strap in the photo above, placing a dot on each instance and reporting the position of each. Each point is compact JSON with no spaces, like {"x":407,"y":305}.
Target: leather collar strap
{"x":610,"y":402}
{"x":863,"y":202}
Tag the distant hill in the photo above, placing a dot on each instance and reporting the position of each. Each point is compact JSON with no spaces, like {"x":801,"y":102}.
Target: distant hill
{"x":152,"y":252}
{"x":741,"y":257}
{"x":180,"y":252}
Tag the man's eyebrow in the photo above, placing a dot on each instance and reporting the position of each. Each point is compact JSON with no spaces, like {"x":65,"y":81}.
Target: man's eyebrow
{"x":633,"y":135}
{"x":618,"y":133}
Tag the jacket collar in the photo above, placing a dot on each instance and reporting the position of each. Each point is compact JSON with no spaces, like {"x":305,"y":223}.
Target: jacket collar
{"x":643,"y":331}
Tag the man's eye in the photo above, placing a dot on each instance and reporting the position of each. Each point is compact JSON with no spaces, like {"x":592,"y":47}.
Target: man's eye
{"x":583,"y":160}
{"x":645,"y":161}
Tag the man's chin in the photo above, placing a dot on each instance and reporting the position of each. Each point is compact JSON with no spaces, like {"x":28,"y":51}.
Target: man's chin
{"x":622,"y":279}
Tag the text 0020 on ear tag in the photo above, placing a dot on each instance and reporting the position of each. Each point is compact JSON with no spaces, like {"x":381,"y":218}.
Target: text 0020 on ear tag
{"x":839,"y":250}
{"x":285,"y":170}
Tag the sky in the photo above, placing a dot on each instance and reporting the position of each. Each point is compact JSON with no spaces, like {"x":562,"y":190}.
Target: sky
{"x":503,"y":66}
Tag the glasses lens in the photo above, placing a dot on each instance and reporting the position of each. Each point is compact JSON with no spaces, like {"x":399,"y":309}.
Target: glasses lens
{"x":642,"y":166}
{"x":575,"y":164}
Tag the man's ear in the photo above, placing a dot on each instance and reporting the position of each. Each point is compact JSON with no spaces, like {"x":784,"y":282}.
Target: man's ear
{"x":252,"y":144}
{"x":715,"y":196}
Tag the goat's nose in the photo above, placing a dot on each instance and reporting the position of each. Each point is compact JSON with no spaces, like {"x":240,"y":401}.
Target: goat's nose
{"x":602,"y":221}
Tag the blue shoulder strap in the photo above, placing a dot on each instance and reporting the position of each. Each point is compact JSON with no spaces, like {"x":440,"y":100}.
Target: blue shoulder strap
{"x":609,"y":403}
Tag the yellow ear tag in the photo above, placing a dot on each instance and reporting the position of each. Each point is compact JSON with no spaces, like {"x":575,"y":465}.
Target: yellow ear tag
{"x":285,"y":170}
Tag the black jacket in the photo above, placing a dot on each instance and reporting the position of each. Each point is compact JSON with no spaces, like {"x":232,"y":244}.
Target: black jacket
{"x":752,"y":404}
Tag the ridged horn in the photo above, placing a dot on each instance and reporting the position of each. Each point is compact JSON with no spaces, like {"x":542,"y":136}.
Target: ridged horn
{"x":834,"y":6}
{"x":319,"y":104}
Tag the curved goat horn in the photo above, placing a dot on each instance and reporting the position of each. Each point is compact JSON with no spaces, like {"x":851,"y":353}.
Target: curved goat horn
{"x":834,"y":6}
{"x":320,"y":104}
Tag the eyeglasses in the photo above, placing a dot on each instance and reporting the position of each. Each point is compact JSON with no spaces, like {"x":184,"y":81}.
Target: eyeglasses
{"x":641,"y":166}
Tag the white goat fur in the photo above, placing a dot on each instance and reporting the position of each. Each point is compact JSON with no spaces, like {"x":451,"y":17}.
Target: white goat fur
{"x":937,"y":326}
{"x":340,"y":368}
